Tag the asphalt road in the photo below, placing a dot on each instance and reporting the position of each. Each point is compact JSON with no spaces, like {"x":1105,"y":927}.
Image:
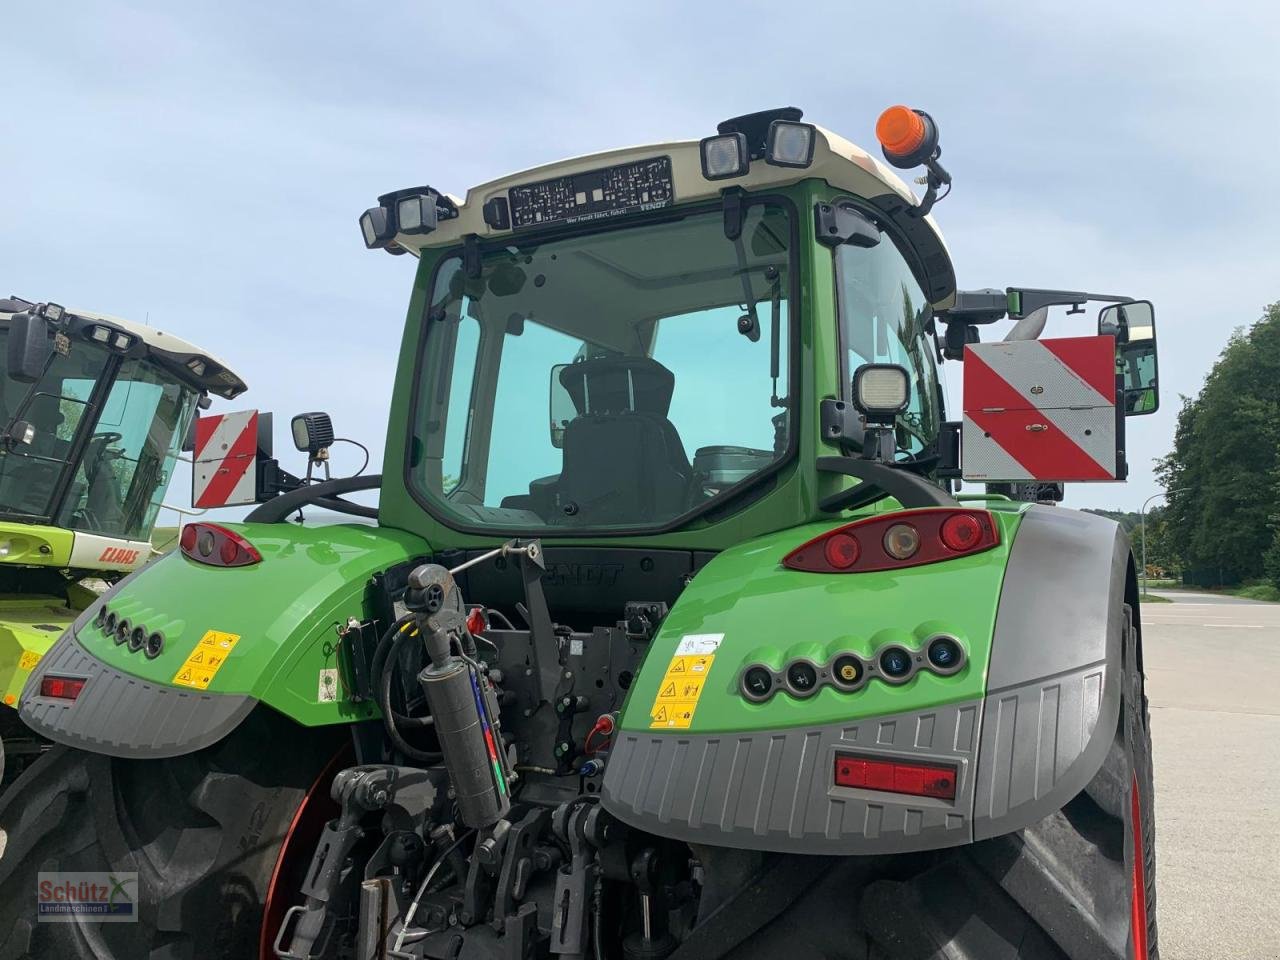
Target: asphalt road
{"x":1213,"y":680}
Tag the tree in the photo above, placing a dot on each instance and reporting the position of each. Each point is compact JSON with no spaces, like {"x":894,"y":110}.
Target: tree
{"x":1222,"y":472}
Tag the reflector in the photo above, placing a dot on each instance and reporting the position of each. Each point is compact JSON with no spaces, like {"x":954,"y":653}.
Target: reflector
{"x":61,"y":688}
{"x":896,"y":776}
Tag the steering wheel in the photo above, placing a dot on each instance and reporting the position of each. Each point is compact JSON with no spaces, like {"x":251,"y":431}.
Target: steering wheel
{"x":108,"y":437}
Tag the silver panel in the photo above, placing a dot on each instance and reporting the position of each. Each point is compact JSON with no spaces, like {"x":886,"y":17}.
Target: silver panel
{"x":774,"y":790}
{"x":124,"y":716}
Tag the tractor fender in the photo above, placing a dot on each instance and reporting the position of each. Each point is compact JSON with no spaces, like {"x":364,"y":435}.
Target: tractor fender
{"x":1055,"y":678}
{"x":233,"y":638}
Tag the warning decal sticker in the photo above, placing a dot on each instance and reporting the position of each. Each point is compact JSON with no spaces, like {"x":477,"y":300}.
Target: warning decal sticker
{"x":28,"y":660}
{"x":682,"y":684}
{"x":204,"y":662}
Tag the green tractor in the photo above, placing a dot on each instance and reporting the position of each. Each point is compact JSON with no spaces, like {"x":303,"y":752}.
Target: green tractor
{"x":93,"y":411}
{"x":670,"y":635}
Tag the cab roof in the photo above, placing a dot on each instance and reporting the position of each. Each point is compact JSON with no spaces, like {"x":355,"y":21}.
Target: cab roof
{"x":171,"y":352}
{"x":839,"y":162}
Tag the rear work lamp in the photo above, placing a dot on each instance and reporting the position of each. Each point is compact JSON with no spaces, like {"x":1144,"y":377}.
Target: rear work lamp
{"x":376,"y":227}
{"x":312,"y":432}
{"x":790,"y":144}
{"x":881,"y":390}
{"x":725,"y":155}
{"x":416,"y":214}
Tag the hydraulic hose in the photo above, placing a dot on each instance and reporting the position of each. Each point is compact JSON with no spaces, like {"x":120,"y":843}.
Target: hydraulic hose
{"x":391,"y":720}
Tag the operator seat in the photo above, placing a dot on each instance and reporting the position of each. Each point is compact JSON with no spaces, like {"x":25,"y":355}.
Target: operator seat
{"x":623,"y":459}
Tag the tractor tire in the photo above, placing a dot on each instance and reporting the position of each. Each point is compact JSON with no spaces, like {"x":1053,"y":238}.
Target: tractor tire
{"x":203,"y":832}
{"x":1078,"y":885}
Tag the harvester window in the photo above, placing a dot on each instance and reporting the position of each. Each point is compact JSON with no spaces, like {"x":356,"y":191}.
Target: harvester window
{"x":605,"y":380}
{"x":884,"y":315}
{"x":118,"y":483}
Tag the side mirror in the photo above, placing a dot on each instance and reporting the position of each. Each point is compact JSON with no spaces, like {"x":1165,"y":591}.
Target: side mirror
{"x":1134,"y":327}
{"x":29,"y":347}
{"x":560,"y":407}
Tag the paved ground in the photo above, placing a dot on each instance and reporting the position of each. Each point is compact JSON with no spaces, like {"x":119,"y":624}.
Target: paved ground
{"x":1213,"y":678}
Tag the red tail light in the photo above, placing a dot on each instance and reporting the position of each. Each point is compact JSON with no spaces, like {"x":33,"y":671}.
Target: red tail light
{"x":61,"y":688}
{"x":896,"y":776}
{"x":908,"y":538}
{"x":217,"y":546}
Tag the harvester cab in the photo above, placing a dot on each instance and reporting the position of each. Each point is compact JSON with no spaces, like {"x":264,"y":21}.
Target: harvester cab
{"x":673,"y":636}
{"x":93,"y":411}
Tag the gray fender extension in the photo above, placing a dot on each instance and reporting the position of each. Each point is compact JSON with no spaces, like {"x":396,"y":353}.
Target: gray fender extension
{"x":1037,"y":738}
{"x":121,"y":715}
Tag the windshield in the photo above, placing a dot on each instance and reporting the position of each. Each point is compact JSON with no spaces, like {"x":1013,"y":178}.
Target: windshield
{"x":884,"y":318}
{"x":614,"y":380}
{"x":121,"y":473}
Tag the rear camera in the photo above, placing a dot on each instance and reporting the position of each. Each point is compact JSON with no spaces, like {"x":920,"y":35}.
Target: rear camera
{"x":895,"y":663}
{"x":154,"y":645}
{"x":802,"y":678}
{"x":137,"y":637}
{"x":122,"y":629}
{"x":757,"y":683}
{"x":846,"y":671}
{"x":945,"y":653}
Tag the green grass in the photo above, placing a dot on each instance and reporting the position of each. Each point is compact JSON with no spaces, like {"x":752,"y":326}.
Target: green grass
{"x":1256,"y":591}
{"x":164,"y":539}
{"x":1152,"y":598}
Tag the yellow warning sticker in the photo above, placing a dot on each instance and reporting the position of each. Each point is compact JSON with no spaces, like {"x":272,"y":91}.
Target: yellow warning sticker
{"x":204,"y":662}
{"x":28,"y":660}
{"x":683,"y":682}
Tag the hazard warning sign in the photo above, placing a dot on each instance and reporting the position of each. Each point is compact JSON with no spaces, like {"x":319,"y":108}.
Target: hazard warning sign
{"x":1040,"y":410}
{"x":224,"y":472}
{"x":206,"y":659}
{"x":683,"y":682}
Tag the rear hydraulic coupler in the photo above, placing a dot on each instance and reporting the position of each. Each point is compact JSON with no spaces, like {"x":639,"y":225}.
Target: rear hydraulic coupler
{"x":461,"y":699}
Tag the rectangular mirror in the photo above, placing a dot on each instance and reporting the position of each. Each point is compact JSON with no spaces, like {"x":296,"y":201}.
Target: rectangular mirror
{"x":561,"y":407}
{"x":29,"y":349}
{"x":1134,"y":327}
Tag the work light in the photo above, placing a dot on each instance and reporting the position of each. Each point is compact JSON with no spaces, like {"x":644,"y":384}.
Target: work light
{"x":51,"y":311}
{"x":790,"y":144}
{"x":312,"y":432}
{"x":725,"y":156}
{"x":416,"y":213}
{"x":881,"y":390}
{"x":376,"y":227}
{"x":99,"y":334}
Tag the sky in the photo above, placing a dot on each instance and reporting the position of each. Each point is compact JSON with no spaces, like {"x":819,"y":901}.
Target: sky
{"x":201,"y":166}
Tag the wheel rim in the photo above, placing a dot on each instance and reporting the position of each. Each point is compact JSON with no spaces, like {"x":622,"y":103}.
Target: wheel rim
{"x":1138,"y":910}
{"x":316,"y":809}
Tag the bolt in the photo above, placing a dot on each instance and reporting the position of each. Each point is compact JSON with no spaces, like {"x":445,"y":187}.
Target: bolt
{"x":568,"y":674}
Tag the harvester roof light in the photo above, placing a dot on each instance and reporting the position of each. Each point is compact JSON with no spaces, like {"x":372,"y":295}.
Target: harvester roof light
{"x":196,"y":366}
{"x":896,"y":776}
{"x":99,"y":334}
{"x":52,"y":312}
{"x":907,"y":538}
{"x":61,"y":688}
{"x":881,"y":390}
{"x":725,"y":155}
{"x":790,"y":144}
{"x":122,"y":341}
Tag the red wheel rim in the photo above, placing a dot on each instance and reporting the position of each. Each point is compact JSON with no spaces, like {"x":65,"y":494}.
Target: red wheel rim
{"x":1138,"y":910}
{"x":316,"y":809}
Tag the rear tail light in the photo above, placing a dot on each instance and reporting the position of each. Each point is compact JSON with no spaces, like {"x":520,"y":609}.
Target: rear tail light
{"x":217,"y":546}
{"x":896,"y":776}
{"x":908,"y":538}
{"x":61,"y":688}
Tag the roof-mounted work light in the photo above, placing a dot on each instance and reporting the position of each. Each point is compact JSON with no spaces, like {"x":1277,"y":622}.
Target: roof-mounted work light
{"x":416,"y":214}
{"x":790,"y":144}
{"x":725,"y":155}
{"x":376,"y":227}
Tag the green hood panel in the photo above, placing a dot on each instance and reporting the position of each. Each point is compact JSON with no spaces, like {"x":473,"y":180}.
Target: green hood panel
{"x":283,"y":610}
{"x":768,"y":614}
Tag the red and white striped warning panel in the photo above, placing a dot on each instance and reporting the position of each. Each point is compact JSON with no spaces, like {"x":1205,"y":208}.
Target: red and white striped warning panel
{"x":226,"y":452}
{"x":1040,"y":410}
